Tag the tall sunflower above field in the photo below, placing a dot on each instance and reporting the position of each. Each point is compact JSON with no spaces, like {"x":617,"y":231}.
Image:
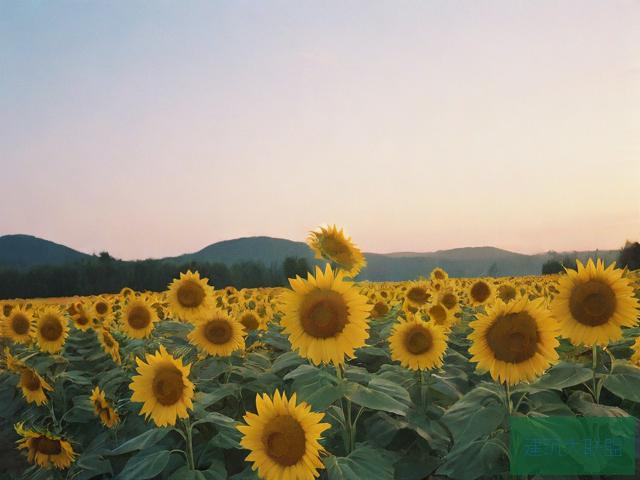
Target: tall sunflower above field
{"x":283,"y":438}
{"x":190,"y":296}
{"x":594,"y":303}
{"x":333,"y":245}
{"x":514,"y":341}
{"x":325,"y":316}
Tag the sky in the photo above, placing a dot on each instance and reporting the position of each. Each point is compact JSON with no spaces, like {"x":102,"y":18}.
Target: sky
{"x":154,"y":128}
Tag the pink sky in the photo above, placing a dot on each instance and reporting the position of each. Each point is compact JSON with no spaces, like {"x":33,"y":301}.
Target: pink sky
{"x":150,"y":129}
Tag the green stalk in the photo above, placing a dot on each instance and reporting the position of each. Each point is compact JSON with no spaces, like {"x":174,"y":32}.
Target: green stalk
{"x":596,"y":395}
{"x":346,"y":414}
{"x":507,"y":393}
{"x":189,"y":441}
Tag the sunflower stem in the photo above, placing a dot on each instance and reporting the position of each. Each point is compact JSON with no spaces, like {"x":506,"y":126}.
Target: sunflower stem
{"x":189,"y":441}
{"x":596,"y":394}
{"x":507,"y":397}
{"x":346,"y":414}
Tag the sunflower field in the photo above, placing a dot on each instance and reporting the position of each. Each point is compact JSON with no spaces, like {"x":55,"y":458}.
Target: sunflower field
{"x":329,"y":378}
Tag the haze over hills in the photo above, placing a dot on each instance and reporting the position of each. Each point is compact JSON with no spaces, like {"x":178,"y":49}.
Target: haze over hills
{"x":25,"y":251}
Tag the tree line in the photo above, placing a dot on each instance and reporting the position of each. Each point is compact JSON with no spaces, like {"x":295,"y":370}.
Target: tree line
{"x":629,"y":257}
{"x":105,"y":274}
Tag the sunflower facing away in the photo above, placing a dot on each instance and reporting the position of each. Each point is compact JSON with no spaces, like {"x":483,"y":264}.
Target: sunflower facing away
{"x":51,"y":330}
{"x":138,"y":318}
{"x":514,"y":341}
{"x":333,"y":245}
{"x":593,"y":304}
{"x":45,"y":449}
{"x":325,"y":316}
{"x":33,"y":386}
{"x":163,"y":387}
{"x":18,"y":325}
{"x":635,"y":357}
{"x":103,"y":409}
{"x":109,"y":344}
{"x":218,"y":334}
{"x":283,"y":438}
{"x":190,"y":296}
{"x":417,"y":345}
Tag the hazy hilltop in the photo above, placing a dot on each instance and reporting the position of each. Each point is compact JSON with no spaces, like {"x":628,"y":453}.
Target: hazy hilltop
{"x":24,"y":251}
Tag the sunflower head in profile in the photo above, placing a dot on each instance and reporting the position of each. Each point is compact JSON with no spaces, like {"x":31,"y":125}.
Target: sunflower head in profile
{"x":481,"y":292}
{"x":218,"y":334}
{"x":138,"y":317}
{"x":325,"y":316}
{"x":52,"y":329}
{"x":82,"y":318}
{"x":12,"y":363}
{"x":190,"y":296}
{"x":514,"y":341}
{"x":507,"y":292}
{"x":635,"y":357}
{"x":18,"y":326}
{"x":109,"y":344}
{"x":127,"y":292}
{"x":333,"y":245}
{"x":418,"y":294}
{"x":163,"y":387}
{"x":5,"y":309}
{"x":438,"y":274}
{"x":417,"y":345}
{"x":283,"y":438}
{"x":103,"y":409}
{"x":594,"y":303}
{"x":45,"y":449}
{"x":33,"y":386}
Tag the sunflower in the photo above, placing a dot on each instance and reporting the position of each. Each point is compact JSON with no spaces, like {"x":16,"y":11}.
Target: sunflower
{"x":283,"y":438}
{"x":507,"y":292}
{"x":480,"y":293}
{"x":218,"y":334}
{"x":103,"y":409}
{"x":380,"y":309}
{"x":103,"y":311}
{"x":635,"y":357}
{"x":593,"y":304}
{"x":325,"y":316}
{"x":514,"y":341}
{"x":33,"y":386}
{"x":417,"y":294}
{"x":438,"y":274}
{"x":51,"y":330}
{"x":250,"y":320}
{"x":45,"y":449}
{"x":417,"y":345}
{"x":17,"y":326}
{"x":449,"y":300}
{"x":6,"y":309}
{"x":82,"y":319}
{"x":440,"y":316}
{"x":190,"y":296}
{"x":333,"y":245}
{"x":138,"y":318}
{"x":13,"y":364}
{"x":163,"y":387}
{"x":109,"y":344}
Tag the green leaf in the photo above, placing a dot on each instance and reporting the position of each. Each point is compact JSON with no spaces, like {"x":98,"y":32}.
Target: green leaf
{"x":145,"y":465}
{"x":364,"y":462}
{"x":415,"y":465}
{"x":549,"y":403}
{"x":142,"y":441}
{"x":375,"y":399}
{"x":207,"y":399}
{"x":563,"y":375}
{"x":481,"y":458}
{"x":624,"y":381}
{"x":285,"y":361}
{"x":583,"y":403}
{"x":91,"y":466}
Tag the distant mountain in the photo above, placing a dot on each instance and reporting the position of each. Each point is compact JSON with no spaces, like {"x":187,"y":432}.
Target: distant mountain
{"x":25,"y":251}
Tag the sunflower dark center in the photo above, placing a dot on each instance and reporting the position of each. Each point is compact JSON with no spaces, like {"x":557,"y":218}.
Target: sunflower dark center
{"x":102,"y":308}
{"x":513,"y":337}
{"x":20,"y":324}
{"x":249,"y":321}
{"x":190,"y":294}
{"x":51,"y":328}
{"x":284,"y":440}
{"x":449,"y":300}
{"x":592,"y":303}
{"x":168,"y":385}
{"x":380,"y":309}
{"x":418,"y":341}
{"x":30,"y":380}
{"x":438,"y":274}
{"x":438,"y":314}
{"x":47,"y":446}
{"x":139,"y":317}
{"x":418,"y":295}
{"x":507,"y":293}
{"x":6,"y":310}
{"x":218,"y":331}
{"x":480,"y":291}
{"x":82,"y":319}
{"x":337,"y":250}
{"x":324,"y":314}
